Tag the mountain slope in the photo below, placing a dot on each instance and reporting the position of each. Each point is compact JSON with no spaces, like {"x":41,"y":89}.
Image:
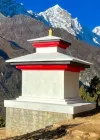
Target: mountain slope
{"x":11,"y":8}
{"x":10,"y":78}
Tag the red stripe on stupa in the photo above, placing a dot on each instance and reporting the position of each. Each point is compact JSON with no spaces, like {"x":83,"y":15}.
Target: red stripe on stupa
{"x":50,"y":44}
{"x":51,"y":67}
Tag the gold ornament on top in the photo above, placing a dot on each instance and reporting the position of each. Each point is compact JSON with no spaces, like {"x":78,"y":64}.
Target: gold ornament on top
{"x":50,"y":32}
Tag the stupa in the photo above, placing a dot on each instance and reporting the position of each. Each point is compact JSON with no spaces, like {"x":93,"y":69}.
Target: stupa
{"x":50,"y":86}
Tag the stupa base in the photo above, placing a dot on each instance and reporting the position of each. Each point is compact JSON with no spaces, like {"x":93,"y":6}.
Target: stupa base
{"x":24,"y":117}
{"x":50,"y":101}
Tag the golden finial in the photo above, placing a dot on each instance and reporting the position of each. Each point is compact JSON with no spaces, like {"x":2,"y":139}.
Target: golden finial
{"x":50,"y":32}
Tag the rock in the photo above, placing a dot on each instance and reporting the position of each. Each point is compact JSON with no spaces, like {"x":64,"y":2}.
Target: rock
{"x":93,"y":135}
{"x":78,"y":133}
{"x":83,"y":135}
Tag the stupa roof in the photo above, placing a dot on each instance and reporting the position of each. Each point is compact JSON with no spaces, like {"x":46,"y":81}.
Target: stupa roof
{"x":48,"y":38}
{"x":49,"y":55}
{"x":45,"y":38}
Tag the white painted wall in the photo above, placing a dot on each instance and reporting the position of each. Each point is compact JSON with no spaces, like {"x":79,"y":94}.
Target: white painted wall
{"x":71,"y":84}
{"x":50,"y":84}
{"x":50,"y":50}
{"x":43,"y":84}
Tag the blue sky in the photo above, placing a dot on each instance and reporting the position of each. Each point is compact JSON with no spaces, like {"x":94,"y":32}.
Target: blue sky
{"x":87,"y":11}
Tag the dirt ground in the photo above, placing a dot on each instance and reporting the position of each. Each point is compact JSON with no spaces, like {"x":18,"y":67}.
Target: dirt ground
{"x":85,"y":127}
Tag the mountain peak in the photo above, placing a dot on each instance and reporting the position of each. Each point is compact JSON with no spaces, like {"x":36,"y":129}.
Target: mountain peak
{"x":96,"y":30}
{"x":56,"y":6}
{"x":58,"y":18}
{"x":61,"y":18}
{"x":30,"y":12}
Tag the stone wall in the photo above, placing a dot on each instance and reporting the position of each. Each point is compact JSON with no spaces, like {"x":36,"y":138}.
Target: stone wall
{"x":21,"y":121}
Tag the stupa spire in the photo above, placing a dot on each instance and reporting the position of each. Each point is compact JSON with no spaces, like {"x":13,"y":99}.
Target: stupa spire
{"x":50,"y":32}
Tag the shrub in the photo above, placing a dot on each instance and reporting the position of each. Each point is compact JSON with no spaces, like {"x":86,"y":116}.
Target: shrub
{"x":2,"y":122}
{"x":86,"y":95}
{"x":92,"y":93}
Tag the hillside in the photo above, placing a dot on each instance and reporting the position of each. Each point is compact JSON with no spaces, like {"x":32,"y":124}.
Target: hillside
{"x":10,"y":78}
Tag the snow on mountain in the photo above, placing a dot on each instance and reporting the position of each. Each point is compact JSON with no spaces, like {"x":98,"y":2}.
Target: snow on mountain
{"x":76,"y":25}
{"x":60,"y":18}
{"x":96,"y":34}
{"x":96,"y":30}
{"x":2,"y":16}
{"x":38,"y":17}
{"x":30,"y":12}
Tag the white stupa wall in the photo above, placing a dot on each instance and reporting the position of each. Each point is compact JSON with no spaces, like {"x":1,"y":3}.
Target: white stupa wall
{"x":71,"y":84}
{"x":50,"y":86}
{"x":50,"y":50}
{"x":43,"y":84}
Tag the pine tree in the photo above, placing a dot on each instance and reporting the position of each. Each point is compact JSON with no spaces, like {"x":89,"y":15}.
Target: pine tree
{"x":94,"y":89}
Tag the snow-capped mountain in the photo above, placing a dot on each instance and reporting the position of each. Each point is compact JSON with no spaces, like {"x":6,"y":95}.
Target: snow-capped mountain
{"x":60,"y":18}
{"x":96,"y":30}
{"x":56,"y":17}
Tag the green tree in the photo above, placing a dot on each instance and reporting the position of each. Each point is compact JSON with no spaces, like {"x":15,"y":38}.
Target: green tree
{"x":92,"y":94}
{"x":94,"y":88}
{"x":86,"y":95}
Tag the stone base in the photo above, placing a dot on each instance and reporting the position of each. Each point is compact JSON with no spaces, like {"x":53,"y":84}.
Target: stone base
{"x":23,"y":117}
{"x":50,"y":101}
{"x":22,"y":121}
